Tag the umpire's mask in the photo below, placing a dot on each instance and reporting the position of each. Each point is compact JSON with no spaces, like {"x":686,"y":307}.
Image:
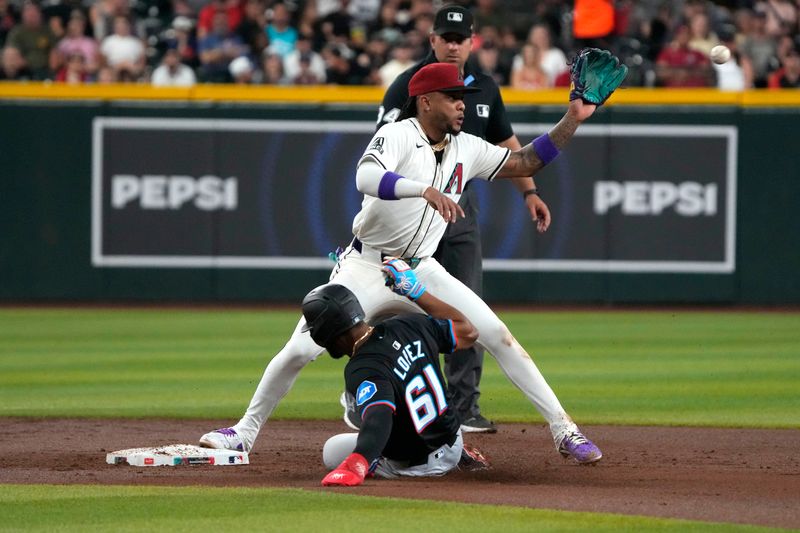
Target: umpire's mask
{"x":330,"y":310}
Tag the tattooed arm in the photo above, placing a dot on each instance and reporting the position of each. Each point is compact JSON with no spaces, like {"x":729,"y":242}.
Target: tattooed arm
{"x":526,"y":162}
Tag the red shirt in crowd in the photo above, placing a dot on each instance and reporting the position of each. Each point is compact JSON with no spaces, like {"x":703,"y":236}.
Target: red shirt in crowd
{"x":693,"y":65}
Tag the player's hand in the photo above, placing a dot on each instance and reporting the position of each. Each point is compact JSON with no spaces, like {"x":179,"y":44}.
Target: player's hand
{"x":580,"y":110}
{"x":350,"y":473}
{"x":401,"y":279}
{"x":539,"y":212}
{"x":444,"y":205}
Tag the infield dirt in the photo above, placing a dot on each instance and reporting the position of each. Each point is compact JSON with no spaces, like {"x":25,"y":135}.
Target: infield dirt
{"x":746,"y":476}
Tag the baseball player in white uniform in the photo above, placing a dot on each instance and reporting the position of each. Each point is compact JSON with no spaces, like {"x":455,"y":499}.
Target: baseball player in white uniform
{"x":412,"y":175}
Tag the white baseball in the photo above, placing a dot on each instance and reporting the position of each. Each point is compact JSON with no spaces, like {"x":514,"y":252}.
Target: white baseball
{"x":720,"y":54}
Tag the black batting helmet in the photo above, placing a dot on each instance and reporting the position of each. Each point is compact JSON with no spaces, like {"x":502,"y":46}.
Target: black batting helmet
{"x":330,"y":310}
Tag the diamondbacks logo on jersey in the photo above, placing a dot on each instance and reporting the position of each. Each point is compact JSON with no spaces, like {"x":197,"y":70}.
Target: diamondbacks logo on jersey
{"x":482,"y":110}
{"x":456,"y":180}
{"x":365,"y":391}
{"x":377,"y":145}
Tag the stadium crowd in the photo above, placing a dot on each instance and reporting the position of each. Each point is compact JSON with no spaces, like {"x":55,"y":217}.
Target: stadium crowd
{"x":522,"y":43}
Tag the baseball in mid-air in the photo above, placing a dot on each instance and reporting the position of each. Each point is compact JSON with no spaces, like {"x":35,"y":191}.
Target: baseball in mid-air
{"x":720,"y":54}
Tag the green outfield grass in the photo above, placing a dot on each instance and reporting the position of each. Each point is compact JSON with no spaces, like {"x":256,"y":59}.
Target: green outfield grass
{"x":661,"y":368}
{"x":94,"y":508}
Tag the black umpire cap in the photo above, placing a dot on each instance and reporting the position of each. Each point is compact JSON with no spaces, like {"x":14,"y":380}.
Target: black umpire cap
{"x":330,"y":310}
{"x":453,"y":19}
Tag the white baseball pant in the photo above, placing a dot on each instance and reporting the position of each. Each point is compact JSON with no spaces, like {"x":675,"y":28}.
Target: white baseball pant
{"x":361,"y":273}
{"x":440,"y":461}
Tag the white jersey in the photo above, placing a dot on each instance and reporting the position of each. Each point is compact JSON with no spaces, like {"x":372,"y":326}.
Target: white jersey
{"x":410,"y":227}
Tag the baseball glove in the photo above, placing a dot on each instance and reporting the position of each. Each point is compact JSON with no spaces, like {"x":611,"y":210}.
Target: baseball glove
{"x":595,"y":74}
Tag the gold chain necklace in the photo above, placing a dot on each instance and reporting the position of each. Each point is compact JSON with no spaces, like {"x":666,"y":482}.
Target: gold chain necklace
{"x":438,"y":147}
{"x":364,"y":336}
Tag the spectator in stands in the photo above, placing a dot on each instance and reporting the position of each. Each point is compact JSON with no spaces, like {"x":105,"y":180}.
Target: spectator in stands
{"x":33,"y":40}
{"x":530,"y":75}
{"x":418,"y":36}
{"x":293,"y":67}
{"x":402,"y":59}
{"x":781,"y":17}
{"x":680,"y":66}
{"x":13,"y":65}
{"x":702,"y":38}
{"x":760,"y":48}
{"x":241,"y":70}
{"x":272,"y":69}
{"x":56,"y":24}
{"x":387,"y":22}
{"x":207,"y":16}
{"x":9,"y":16}
{"x":123,"y":52}
{"x":737,"y":73}
{"x":74,"y":71}
{"x":171,"y":72}
{"x":307,"y":22}
{"x":788,"y":76}
{"x":785,"y":45}
{"x":77,"y":42}
{"x":106,"y":75}
{"x":488,"y":57}
{"x":365,"y":12}
{"x":102,"y":15}
{"x":338,"y":70}
{"x":184,"y":41}
{"x":508,"y":45}
{"x":306,"y":75}
{"x":185,"y":8}
{"x":251,"y":28}
{"x":218,"y":49}
{"x":553,"y":60}
{"x":335,"y":29}
{"x":488,"y":14}
{"x":282,"y":36}
{"x":377,"y":52}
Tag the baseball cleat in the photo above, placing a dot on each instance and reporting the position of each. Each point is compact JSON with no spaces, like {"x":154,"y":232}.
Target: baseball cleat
{"x":580,"y":448}
{"x":478,"y":424}
{"x":223,"y":439}
{"x":472,"y":460}
{"x":350,"y":416}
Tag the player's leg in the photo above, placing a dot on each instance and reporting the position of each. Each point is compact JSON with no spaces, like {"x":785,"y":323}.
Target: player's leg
{"x":337,"y":448}
{"x":277,"y":380}
{"x":440,"y":461}
{"x":460,"y":254}
{"x":515,"y":362}
{"x":366,"y":282}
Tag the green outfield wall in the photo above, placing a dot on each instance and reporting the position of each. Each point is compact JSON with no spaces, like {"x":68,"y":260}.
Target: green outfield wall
{"x":231,"y":196}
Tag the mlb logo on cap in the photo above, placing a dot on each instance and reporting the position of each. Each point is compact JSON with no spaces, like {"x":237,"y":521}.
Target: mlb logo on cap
{"x":453,"y":19}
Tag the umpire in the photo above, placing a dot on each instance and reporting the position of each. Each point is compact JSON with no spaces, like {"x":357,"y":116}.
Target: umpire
{"x":460,"y":249}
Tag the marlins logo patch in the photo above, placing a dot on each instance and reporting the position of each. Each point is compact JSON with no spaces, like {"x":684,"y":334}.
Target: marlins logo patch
{"x":377,"y":145}
{"x":365,"y":391}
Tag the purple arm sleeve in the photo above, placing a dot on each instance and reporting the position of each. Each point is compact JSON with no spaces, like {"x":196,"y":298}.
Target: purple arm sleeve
{"x":386,"y":186}
{"x":545,"y":149}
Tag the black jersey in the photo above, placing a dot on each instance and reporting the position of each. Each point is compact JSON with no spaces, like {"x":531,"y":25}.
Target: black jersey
{"x":484,"y":111}
{"x":398,"y":366}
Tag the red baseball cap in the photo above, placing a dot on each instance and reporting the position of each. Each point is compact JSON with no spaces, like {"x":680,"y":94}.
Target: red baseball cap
{"x":438,"y":77}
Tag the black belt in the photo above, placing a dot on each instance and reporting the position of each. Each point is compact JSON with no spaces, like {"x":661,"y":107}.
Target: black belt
{"x":413,"y":262}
